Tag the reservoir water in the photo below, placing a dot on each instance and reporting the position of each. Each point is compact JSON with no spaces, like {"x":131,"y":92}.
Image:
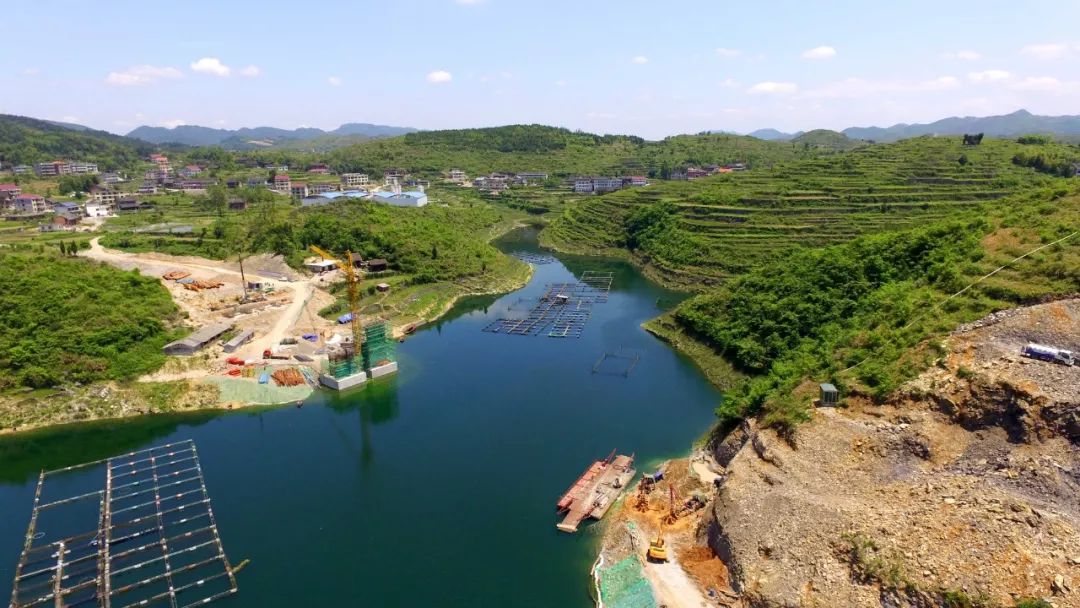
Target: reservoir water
{"x":433,"y":488}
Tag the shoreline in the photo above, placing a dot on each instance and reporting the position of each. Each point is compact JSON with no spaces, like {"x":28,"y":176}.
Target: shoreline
{"x":132,"y":407}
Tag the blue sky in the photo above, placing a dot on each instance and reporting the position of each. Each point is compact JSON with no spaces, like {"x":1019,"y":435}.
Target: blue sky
{"x":647,"y":68}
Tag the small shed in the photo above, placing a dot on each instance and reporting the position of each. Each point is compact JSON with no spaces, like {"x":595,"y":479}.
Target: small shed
{"x":196,"y":341}
{"x":377,"y":265}
{"x":320,"y":265}
{"x":239,"y":340}
{"x":830,"y":397}
{"x":383,"y":287}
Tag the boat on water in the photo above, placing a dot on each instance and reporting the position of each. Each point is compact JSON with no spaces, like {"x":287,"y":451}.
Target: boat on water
{"x":595,"y":491}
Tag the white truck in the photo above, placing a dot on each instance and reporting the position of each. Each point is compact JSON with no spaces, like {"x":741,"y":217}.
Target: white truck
{"x":1048,"y":353}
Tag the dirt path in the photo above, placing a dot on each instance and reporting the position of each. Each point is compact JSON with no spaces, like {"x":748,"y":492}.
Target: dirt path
{"x":156,"y":264}
{"x":671,"y":586}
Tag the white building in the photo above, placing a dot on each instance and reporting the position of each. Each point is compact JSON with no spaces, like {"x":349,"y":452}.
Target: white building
{"x":457,"y":175}
{"x":98,"y":209}
{"x":583,"y":184}
{"x":354,"y":179}
{"x":414,"y":198}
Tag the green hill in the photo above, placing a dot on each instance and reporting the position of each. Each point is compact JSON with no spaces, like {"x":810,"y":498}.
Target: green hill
{"x":28,"y":140}
{"x":559,"y":152}
{"x":701,"y":232}
{"x":824,"y":138}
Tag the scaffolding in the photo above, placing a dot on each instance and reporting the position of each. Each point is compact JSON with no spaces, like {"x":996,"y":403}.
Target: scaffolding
{"x":146,"y":536}
{"x":378,"y":348}
{"x":343,"y":361}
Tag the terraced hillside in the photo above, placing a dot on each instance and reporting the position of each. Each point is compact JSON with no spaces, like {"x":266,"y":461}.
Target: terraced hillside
{"x":697,"y":233}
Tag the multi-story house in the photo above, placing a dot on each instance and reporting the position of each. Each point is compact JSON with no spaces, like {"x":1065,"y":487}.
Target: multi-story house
{"x":354,"y":179}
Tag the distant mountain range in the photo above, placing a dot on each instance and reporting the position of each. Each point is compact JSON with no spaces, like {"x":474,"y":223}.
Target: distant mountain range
{"x":258,"y":137}
{"x":1020,"y":122}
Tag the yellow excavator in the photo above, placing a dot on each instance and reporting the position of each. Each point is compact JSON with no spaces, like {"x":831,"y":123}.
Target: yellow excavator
{"x":657,"y":550}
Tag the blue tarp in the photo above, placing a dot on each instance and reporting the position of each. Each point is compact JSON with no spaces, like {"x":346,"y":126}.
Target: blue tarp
{"x":345,"y":318}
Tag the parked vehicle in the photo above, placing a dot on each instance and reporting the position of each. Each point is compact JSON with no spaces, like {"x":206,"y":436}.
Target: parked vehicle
{"x":1048,"y":353}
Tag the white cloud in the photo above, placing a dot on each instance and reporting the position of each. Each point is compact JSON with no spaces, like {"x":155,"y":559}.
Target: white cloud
{"x":851,"y":88}
{"x":601,"y":115}
{"x":1045,"y":51}
{"x":142,"y":75}
{"x":69,"y":118}
{"x":211,"y":65}
{"x":334,"y":81}
{"x":640,"y":59}
{"x":31,"y":71}
{"x":1040,"y":83}
{"x":439,"y":77}
{"x":560,"y":83}
{"x":962,"y":55}
{"x":469,"y":2}
{"x":819,"y":52}
{"x":989,"y":76}
{"x":728,"y":53}
{"x":251,"y":71}
{"x":729,"y":83}
{"x":769,"y":87}
{"x":172,"y":124}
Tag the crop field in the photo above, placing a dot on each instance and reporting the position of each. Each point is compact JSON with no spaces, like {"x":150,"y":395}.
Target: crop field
{"x":726,"y":224}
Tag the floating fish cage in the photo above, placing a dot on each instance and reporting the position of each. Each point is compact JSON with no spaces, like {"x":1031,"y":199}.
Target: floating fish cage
{"x":561,"y":312}
{"x":537,"y":259}
{"x":133,"y":530}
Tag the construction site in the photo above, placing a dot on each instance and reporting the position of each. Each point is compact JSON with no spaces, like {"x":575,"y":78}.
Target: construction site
{"x":595,"y":491}
{"x":257,"y":335}
{"x":650,"y":556}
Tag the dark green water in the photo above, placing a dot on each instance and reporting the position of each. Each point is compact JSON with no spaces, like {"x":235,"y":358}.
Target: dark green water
{"x":434,"y":488}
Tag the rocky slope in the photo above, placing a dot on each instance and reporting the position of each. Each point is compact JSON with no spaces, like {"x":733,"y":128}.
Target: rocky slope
{"x":963,"y":490}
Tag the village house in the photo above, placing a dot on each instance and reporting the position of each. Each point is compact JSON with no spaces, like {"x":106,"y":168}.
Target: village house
{"x":282,"y":184}
{"x":148,"y":188}
{"x":256,"y":182}
{"x":237,"y":204}
{"x":320,"y":169}
{"x":194,"y":186}
{"x":299,"y":190}
{"x":491,"y":184}
{"x":111,"y":178}
{"x":377,"y":265}
{"x":98,"y":209}
{"x":83,"y":168}
{"x":131,"y":205}
{"x":532,"y":176}
{"x":103,"y":194}
{"x":52,"y":169}
{"x":30,"y":204}
{"x":21,"y":169}
{"x":279,"y":167}
{"x":354,"y":179}
{"x":66,"y":207}
{"x":190,"y":171}
{"x":8,"y":192}
{"x":67,"y":220}
{"x":319,"y":188}
{"x":597,"y":184}
{"x":457,"y":176}
{"x":162,"y":163}
{"x":695,"y":173}
{"x":635,"y":180}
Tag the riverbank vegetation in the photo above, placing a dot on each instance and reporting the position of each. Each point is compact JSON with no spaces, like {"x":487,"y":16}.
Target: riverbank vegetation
{"x":66,"y":321}
{"x":841,"y":268}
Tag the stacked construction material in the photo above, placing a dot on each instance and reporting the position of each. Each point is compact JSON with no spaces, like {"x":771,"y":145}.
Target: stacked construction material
{"x":201,"y":285}
{"x":378,"y":348}
{"x":175,"y":275}
{"x":288,"y":377}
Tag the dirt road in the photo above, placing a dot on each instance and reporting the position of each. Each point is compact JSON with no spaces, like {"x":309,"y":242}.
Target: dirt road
{"x":156,"y":264}
{"x":671,"y":586}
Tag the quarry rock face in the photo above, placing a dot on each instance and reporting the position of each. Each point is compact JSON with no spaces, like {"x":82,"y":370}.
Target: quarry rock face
{"x":965,"y":483}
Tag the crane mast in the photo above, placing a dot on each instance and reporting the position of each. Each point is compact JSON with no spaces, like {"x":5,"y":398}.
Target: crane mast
{"x":353,"y":290}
